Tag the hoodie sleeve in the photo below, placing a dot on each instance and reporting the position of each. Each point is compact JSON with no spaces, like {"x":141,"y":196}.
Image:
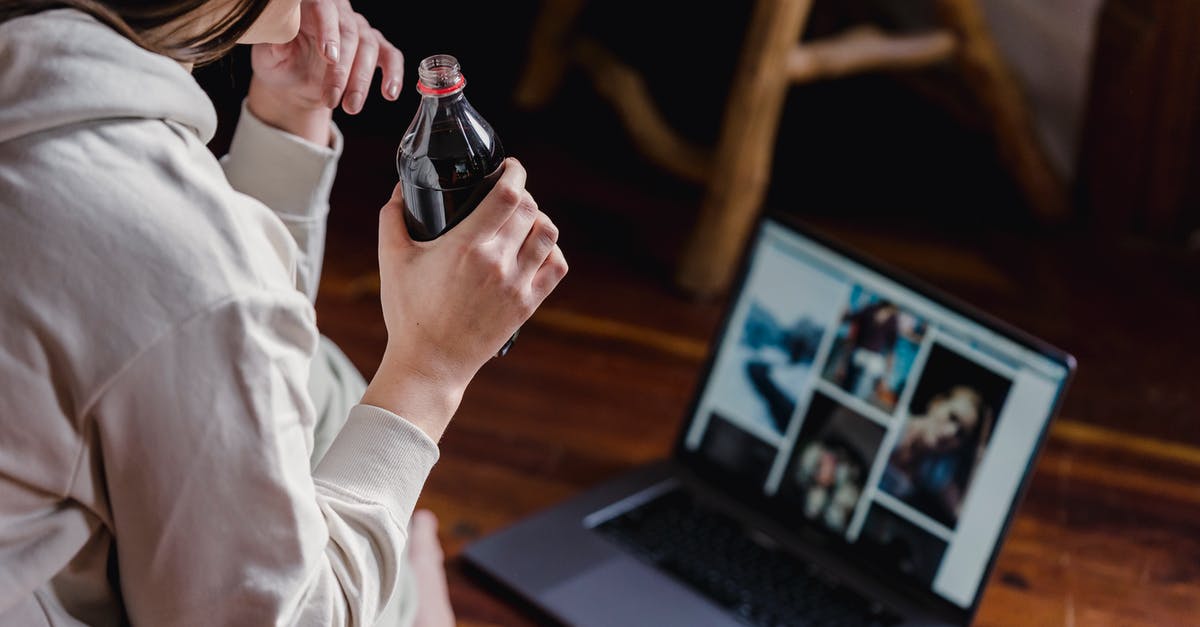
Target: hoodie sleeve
{"x":217,"y":516}
{"x":293,"y":177}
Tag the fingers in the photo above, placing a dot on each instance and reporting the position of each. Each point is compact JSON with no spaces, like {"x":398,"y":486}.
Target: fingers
{"x":275,"y":53}
{"x":338,"y":72}
{"x":549,"y":274}
{"x":325,"y":16}
{"x":362,"y":69}
{"x":391,"y":62}
{"x":516,"y":230}
{"x":352,"y":49}
{"x":538,"y":244}
{"x":496,"y":208}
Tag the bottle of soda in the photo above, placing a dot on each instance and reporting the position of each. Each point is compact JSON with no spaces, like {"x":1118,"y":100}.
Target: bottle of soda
{"x":449,"y":158}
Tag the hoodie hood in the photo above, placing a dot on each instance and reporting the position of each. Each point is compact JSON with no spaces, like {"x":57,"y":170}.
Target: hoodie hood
{"x":63,"y":67}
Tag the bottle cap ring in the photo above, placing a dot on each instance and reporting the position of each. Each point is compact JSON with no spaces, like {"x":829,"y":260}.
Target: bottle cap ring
{"x":441,"y":91}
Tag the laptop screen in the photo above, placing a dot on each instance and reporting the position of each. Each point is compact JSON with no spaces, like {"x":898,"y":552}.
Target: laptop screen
{"x":873,"y":412}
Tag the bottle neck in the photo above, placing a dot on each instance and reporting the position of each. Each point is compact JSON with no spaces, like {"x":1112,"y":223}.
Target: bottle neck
{"x":428,"y":90}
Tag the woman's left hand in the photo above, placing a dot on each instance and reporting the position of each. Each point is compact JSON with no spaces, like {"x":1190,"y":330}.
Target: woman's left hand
{"x":331,"y":61}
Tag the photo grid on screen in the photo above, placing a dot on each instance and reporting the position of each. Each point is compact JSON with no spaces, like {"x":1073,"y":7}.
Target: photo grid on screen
{"x":847,"y":406}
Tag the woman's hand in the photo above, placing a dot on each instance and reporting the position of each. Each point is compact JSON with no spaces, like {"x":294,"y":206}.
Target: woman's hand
{"x":451,"y":303}
{"x":330,"y":62}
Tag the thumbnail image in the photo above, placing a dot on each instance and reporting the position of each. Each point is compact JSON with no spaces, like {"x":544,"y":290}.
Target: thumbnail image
{"x":767,"y":355}
{"x":830,"y":463}
{"x":952,"y":416}
{"x":900,"y":545}
{"x":741,"y":454}
{"x":777,"y":356}
{"x":876,"y":344}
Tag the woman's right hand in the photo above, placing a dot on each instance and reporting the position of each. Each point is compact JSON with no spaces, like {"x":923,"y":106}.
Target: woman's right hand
{"x":449,"y":304}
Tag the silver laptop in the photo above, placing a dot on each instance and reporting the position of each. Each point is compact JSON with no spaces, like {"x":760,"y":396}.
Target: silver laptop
{"x":853,"y":455}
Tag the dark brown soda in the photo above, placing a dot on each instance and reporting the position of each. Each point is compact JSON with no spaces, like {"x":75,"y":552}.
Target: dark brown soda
{"x":435,"y":210}
{"x":449,"y":158}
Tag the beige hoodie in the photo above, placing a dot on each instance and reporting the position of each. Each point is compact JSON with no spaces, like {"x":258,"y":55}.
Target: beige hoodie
{"x":156,"y":331}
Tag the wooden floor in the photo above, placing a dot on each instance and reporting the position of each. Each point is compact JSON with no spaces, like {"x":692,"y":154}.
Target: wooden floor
{"x":1109,"y":533}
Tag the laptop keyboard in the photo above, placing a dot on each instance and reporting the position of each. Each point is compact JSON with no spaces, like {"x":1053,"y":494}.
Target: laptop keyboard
{"x":712,"y":553}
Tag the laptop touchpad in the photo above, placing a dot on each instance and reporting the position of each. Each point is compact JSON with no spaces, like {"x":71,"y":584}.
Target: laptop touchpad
{"x":624,"y":591}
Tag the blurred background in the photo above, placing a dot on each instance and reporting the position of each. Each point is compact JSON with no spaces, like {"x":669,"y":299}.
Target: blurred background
{"x":906,"y":157}
{"x":1110,"y":86}
{"x":1075,"y":217}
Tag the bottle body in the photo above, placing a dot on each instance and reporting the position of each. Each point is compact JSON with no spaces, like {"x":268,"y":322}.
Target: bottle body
{"x":449,"y":158}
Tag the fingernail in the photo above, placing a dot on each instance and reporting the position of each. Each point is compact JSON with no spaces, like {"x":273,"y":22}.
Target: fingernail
{"x":354,"y":102}
{"x":393,"y":89}
{"x":332,"y":95}
{"x":331,"y":52}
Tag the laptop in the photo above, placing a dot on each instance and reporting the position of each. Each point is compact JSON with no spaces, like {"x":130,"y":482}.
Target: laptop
{"x":853,"y":454}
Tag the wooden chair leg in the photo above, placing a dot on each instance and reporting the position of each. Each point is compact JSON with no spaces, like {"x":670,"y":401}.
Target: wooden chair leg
{"x":548,"y":53}
{"x":745,"y":148}
{"x":866,"y":48}
{"x":1003,"y":102}
{"x":627,"y":92}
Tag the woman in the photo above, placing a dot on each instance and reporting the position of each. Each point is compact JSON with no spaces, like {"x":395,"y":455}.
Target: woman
{"x":163,"y":387}
{"x":939,"y":451}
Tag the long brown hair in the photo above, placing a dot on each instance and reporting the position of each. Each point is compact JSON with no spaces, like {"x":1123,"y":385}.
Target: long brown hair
{"x":138,"y":20}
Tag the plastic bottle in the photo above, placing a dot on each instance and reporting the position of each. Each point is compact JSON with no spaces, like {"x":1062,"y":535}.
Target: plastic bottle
{"x":449,"y":158}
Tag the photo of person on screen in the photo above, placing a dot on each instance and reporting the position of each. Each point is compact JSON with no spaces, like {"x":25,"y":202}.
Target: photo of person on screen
{"x":832,"y":472}
{"x":833,"y":456}
{"x":939,"y":450}
{"x":876,"y":328}
{"x":876,"y":343}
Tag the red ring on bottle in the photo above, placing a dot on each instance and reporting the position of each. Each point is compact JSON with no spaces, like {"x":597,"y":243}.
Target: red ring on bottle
{"x":441,"y":91}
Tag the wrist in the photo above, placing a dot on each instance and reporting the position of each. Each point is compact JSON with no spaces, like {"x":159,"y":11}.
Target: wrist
{"x":426,"y":399}
{"x":312,"y":122}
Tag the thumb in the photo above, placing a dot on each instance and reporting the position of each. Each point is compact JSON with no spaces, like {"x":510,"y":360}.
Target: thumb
{"x":267,"y":57}
{"x":393,"y":232}
{"x":278,"y":53}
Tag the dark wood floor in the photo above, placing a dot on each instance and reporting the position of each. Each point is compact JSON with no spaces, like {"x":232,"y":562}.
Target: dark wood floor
{"x":1110,"y":530}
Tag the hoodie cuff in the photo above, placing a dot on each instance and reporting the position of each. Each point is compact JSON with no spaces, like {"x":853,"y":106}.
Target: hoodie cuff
{"x":381,"y":458}
{"x":289,"y":174}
